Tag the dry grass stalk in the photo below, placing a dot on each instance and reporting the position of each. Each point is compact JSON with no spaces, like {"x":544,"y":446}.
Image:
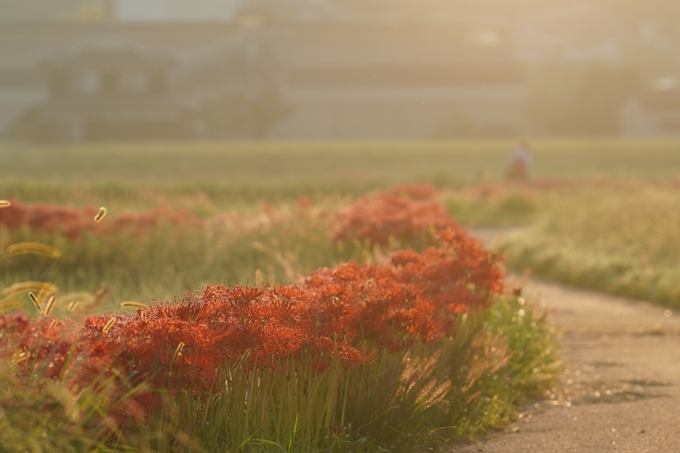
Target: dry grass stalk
{"x":134,"y":304}
{"x":10,"y":303}
{"x":35,"y":301}
{"x":109,"y":325}
{"x":34,"y":248}
{"x":24,"y":287}
{"x":101,"y":214}
{"x":48,"y":306}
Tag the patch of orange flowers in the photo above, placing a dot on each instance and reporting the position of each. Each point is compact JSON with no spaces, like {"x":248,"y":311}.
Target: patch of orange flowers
{"x":401,"y":213}
{"x":73,"y":222}
{"x":345,"y":314}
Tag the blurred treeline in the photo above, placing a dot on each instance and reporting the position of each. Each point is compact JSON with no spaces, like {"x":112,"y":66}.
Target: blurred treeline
{"x":572,"y":98}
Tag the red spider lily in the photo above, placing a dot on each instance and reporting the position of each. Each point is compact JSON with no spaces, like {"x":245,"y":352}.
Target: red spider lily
{"x":304,"y":203}
{"x":28,"y":340}
{"x":402,"y":214}
{"x":331,"y":315}
{"x":72,"y":222}
{"x":412,"y":299}
{"x":421,"y":191}
{"x":342,"y":314}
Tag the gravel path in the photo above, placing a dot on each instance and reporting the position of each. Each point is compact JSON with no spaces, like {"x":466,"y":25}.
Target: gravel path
{"x":620,"y":389}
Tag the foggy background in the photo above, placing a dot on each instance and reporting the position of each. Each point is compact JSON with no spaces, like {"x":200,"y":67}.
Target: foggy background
{"x":74,"y":70}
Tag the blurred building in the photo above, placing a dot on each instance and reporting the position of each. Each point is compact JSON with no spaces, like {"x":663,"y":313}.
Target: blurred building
{"x":47,"y":11}
{"x":322,"y":69}
{"x":397,"y":79}
{"x":108,"y":93}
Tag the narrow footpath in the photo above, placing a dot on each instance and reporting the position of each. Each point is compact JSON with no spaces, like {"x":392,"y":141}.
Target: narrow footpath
{"x":620,"y":386}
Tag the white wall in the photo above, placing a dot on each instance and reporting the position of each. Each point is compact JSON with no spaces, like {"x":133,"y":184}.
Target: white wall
{"x":175,"y":10}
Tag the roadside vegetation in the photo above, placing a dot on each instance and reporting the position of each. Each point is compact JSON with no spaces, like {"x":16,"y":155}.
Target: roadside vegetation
{"x":621,"y":238}
{"x":372,"y":325}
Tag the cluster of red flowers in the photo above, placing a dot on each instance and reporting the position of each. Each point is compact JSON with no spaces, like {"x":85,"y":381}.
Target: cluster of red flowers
{"x":56,"y":350}
{"x":401,"y":213}
{"x":344,"y":313}
{"x":73,"y":222}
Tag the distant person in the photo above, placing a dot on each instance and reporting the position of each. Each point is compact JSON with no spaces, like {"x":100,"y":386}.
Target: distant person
{"x":519,"y":162}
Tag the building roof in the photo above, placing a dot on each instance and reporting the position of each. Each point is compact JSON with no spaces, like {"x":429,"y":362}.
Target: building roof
{"x":109,"y":51}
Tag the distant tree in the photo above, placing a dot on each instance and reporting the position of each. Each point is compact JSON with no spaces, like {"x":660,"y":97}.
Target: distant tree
{"x":580,"y":98}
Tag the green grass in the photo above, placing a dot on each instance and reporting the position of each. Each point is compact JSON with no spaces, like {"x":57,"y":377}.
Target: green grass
{"x":270,"y":165}
{"x":169,"y":260}
{"x":212,"y":177}
{"x":510,"y":209}
{"x":623,"y":241}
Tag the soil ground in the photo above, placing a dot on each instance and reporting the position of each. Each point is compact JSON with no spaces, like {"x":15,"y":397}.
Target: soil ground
{"x":620,"y":385}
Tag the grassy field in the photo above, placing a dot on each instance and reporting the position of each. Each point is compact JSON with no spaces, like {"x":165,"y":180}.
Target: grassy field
{"x":265,"y":213}
{"x":622,"y":240}
{"x":211,"y":179}
{"x":309,"y":165}
{"x":168,"y":260}
{"x":246,"y":179}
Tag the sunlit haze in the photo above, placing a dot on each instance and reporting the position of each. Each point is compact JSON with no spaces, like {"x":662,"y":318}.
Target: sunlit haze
{"x":337,"y":69}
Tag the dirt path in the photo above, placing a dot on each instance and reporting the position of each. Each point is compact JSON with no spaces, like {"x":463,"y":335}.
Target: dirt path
{"x":620,"y":390}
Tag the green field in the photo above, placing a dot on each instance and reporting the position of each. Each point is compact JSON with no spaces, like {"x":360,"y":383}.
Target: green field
{"x":332,"y":163}
{"x":621,"y":240}
{"x":214,"y":176}
{"x":210,"y":179}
